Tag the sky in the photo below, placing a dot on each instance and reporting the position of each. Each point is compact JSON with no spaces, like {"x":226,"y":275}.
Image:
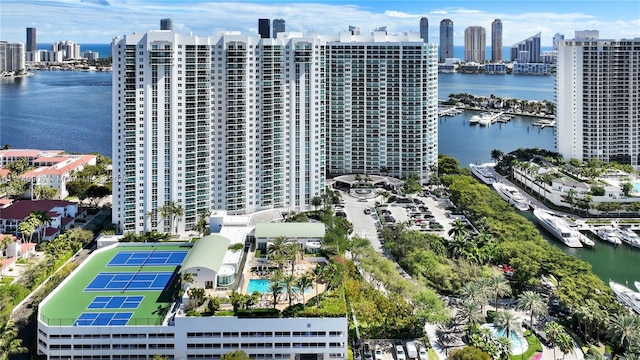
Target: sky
{"x":99,"y":21}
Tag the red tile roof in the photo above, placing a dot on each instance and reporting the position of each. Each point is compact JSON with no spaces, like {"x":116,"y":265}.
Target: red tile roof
{"x":50,"y":159}
{"x":4,"y":172}
{"x":61,"y":168}
{"x":26,"y":247}
{"x":4,"y":202}
{"x":51,"y":231}
{"x":7,"y":262}
{"x":66,"y":220}
{"x":21,"y":209}
{"x":29,"y":153}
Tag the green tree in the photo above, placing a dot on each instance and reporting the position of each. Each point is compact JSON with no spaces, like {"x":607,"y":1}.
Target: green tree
{"x":553,"y":331}
{"x":508,"y":322}
{"x":458,"y":228}
{"x":471,"y":313}
{"x":44,"y":192}
{"x":469,"y":353}
{"x":26,"y":230}
{"x":626,"y":188}
{"x":276,"y":288}
{"x":202,"y":225}
{"x":565,"y":344}
{"x":96,"y":192}
{"x":9,"y":343}
{"x":532,"y":302}
{"x":236,"y":355}
{"x":281,"y":247}
{"x":40,"y":220}
{"x":289,"y":283}
{"x":18,"y":167}
{"x":496,"y":155}
{"x":303,"y":283}
{"x":499,"y":287}
{"x":316,"y":201}
{"x":624,"y":331}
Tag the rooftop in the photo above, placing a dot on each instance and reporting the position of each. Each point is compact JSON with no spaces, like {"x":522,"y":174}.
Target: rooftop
{"x":290,"y":230}
{"x":21,"y":209}
{"x":208,"y":252}
{"x":86,"y":292}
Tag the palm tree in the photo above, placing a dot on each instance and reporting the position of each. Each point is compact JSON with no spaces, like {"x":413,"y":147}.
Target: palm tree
{"x":316,"y":201}
{"x":496,"y":155}
{"x":507,"y":322}
{"x":26,"y":230}
{"x":531,"y":301}
{"x":9,"y":344}
{"x":303,"y":283}
{"x":624,"y":330}
{"x":471,"y":311}
{"x":176,"y":211}
{"x":317,"y":276}
{"x":281,"y":246}
{"x":474,"y":291}
{"x":553,"y":331}
{"x":499,"y":287}
{"x":458,"y":228}
{"x":275,"y":287}
{"x":289,"y":284}
{"x":565,"y":344}
{"x":503,"y":347}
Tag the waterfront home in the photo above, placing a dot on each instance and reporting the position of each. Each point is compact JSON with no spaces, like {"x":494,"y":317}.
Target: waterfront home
{"x":62,"y":215}
{"x":56,"y":171}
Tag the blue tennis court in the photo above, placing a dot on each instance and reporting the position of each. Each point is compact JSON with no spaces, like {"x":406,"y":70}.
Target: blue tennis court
{"x":103,"y":319}
{"x":150,"y":258}
{"x":115,"y":302}
{"x":107,"y":281}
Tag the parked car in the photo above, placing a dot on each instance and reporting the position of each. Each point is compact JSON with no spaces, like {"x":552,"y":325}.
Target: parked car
{"x":400,"y":355}
{"x":367,"y":211}
{"x":367,"y":352}
{"x":356,"y":354}
{"x":412,"y":351}
{"x":341,"y":214}
{"x":377,"y":354}
{"x":422,"y":353}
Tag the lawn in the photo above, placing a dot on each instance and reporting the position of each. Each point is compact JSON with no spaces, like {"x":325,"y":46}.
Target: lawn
{"x":534,"y":347}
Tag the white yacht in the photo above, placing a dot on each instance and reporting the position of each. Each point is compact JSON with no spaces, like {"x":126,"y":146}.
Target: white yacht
{"x":609,"y":234}
{"x":629,"y":237}
{"x":512,"y":195}
{"x":637,"y":285}
{"x":559,"y":228}
{"x":483,"y":172}
{"x":626,"y":296}
{"x":474,"y":119}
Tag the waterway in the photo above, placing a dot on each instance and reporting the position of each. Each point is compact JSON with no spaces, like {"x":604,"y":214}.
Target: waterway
{"x":71,"y":111}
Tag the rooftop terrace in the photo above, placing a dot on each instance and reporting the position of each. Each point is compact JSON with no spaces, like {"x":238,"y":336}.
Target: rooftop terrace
{"x":117,"y":286}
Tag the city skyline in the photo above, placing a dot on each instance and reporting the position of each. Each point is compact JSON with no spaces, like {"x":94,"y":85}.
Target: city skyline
{"x":98,"y":21}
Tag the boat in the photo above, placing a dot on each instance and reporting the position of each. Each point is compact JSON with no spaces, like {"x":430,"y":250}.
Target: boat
{"x":474,"y":119}
{"x":609,"y":234}
{"x":512,"y":195}
{"x":585,"y":240}
{"x":626,"y":296}
{"x":629,"y":237}
{"x":559,"y":228}
{"x":483,"y":172}
{"x":637,"y":285}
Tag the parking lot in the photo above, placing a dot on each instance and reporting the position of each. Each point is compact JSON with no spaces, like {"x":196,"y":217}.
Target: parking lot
{"x":387,"y":347}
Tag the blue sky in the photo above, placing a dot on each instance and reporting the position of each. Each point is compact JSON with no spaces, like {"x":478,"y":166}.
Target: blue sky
{"x":98,"y":21}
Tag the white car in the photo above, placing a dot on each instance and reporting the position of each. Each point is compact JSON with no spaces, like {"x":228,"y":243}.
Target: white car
{"x":422,"y":353}
{"x":377,"y":354}
{"x":400,"y":353}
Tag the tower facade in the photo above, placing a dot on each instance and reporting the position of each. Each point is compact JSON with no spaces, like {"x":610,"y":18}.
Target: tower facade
{"x":264,"y":28}
{"x":166,"y":24}
{"x":446,"y":40}
{"x":32,"y":44}
{"x":496,"y":40}
{"x":527,"y":50}
{"x":424,"y":29}
{"x":279,"y":26}
{"x":255,"y":135}
{"x":475,"y":45}
{"x":12,"y":57}
{"x":597,"y":102}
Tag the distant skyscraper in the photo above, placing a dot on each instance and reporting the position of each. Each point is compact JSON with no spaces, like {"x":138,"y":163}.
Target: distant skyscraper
{"x":446,"y":40}
{"x":166,"y":24}
{"x":556,"y":39}
{"x":264,"y":28}
{"x":424,"y":29}
{"x":475,"y":44}
{"x":278,"y":27}
{"x":527,"y":50}
{"x":12,"y":57}
{"x":70,"y":49}
{"x":354,"y":30}
{"x":597,"y":108}
{"x":32,"y":44}
{"x":496,"y":40}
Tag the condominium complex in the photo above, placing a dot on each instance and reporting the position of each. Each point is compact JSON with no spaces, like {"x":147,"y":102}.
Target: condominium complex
{"x":527,"y":50}
{"x":446,"y":40}
{"x":496,"y":40}
{"x":12,"y":57}
{"x":245,"y":123}
{"x":475,"y":44}
{"x":70,"y":49}
{"x":598,"y":100}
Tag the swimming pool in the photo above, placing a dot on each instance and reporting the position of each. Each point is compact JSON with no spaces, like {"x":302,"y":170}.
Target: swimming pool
{"x":636,"y":187}
{"x":518,"y":343}
{"x":262,"y":286}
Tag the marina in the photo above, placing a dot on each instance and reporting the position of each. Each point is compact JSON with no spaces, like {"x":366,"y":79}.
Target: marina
{"x":559,"y":228}
{"x":626,"y":296}
{"x":512,"y":195}
{"x":484,"y":172}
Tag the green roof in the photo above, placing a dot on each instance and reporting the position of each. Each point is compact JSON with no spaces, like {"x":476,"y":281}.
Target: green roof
{"x":290,"y":230}
{"x":208,"y":252}
{"x":64,"y":306}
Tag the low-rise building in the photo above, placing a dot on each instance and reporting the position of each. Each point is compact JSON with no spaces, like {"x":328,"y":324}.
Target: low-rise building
{"x":531,"y":68}
{"x":56,"y":171}
{"x":61,"y":215}
{"x":307,"y":235}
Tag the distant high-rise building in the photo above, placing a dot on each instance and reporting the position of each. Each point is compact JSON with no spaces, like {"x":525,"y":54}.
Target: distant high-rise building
{"x":597,"y":108}
{"x":496,"y":40}
{"x":475,"y":44}
{"x":70,"y":49}
{"x":527,"y":50}
{"x":278,"y":27}
{"x":12,"y":57}
{"x":264,"y":28}
{"x":556,"y":39}
{"x":166,"y":24}
{"x":446,"y":40}
{"x":354,"y":30}
{"x":32,"y":44}
{"x":587,"y":34}
{"x":270,"y":144}
{"x":424,"y":29}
